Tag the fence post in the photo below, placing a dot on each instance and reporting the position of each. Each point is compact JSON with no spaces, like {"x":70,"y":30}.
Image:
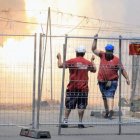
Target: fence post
{"x":39,"y":82}
{"x":120,"y":43}
{"x":34,"y":84}
{"x":62,"y":89}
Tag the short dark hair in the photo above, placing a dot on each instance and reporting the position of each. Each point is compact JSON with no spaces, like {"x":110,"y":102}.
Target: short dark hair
{"x":80,"y":54}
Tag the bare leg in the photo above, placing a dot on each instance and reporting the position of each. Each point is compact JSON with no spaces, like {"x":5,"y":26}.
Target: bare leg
{"x":111,"y":105}
{"x":65,"y":121}
{"x":81,"y":113}
{"x":67,"y":113}
{"x":106,"y":105}
{"x":106,"y":108}
{"x":110,"y":102}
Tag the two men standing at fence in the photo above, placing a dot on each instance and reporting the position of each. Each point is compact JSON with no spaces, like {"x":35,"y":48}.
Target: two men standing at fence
{"x":77,"y":88}
{"x":108,"y":75}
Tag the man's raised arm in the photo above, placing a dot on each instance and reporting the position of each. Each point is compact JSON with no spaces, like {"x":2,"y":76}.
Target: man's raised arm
{"x":94,"y":46}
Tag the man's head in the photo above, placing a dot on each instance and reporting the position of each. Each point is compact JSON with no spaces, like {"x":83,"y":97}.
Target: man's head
{"x":109,"y":51}
{"x":109,"y":48}
{"x":80,"y":51}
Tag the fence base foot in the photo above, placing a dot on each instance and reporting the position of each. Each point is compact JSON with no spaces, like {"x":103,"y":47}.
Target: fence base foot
{"x":100,"y":114}
{"x":34,"y":133}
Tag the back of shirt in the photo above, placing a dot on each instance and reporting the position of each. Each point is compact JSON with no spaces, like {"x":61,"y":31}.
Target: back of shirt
{"x":108,"y":70}
{"x":78,"y":69}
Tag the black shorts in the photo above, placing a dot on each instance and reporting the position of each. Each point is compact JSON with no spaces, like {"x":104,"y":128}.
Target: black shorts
{"x":76,"y":98}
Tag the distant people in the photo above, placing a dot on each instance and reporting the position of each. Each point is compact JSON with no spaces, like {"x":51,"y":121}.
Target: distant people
{"x":108,"y":75}
{"x":77,"y":88}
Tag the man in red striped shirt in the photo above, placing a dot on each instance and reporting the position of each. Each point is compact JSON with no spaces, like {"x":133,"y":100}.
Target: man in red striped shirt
{"x":108,"y":75}
{"x":77,"y":88}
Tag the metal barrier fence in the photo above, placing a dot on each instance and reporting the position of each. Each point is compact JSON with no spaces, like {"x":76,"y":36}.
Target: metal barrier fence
{"x":17,"y":80}
{"x":33,"y":88}
{"x":55,"y":81}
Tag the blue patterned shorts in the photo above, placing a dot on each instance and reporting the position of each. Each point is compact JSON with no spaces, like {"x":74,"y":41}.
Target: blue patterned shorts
{"x":108,"y":92}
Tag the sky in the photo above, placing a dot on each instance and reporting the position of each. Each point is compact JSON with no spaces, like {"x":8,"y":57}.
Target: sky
{"x":124,"y":11}
{"x":8,"y":11}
